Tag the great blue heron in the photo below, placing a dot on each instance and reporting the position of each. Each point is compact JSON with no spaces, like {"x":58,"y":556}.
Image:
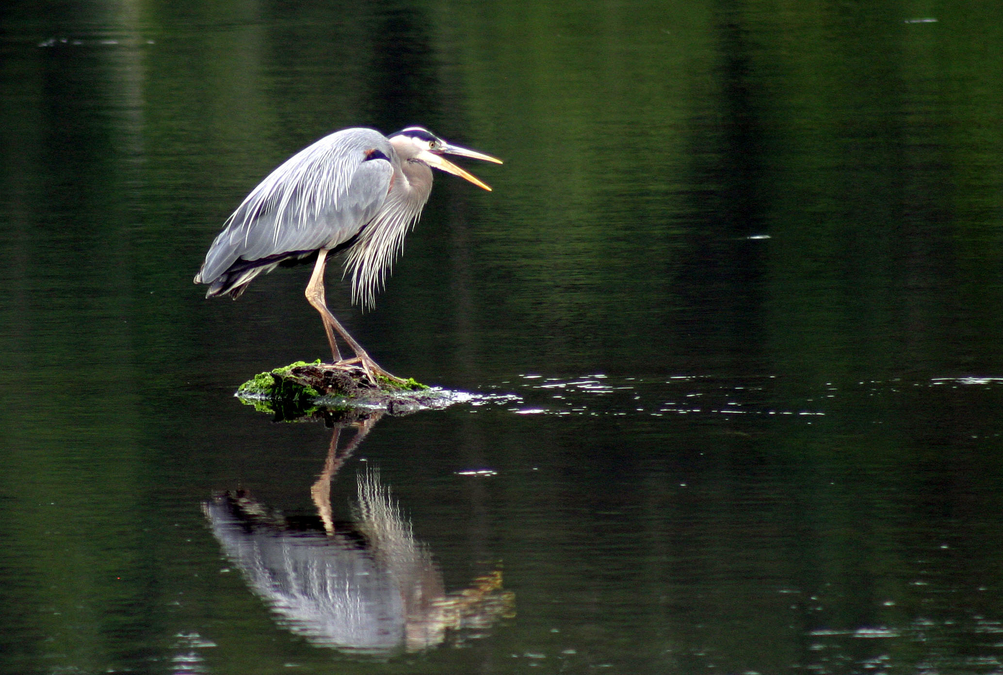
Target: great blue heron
{"x":355,"y":192}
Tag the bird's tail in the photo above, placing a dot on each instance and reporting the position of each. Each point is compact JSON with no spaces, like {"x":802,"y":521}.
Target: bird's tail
{"x":238,"y":276}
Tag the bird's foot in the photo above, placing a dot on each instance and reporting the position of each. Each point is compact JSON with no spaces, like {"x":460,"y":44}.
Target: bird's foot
{"x":373,"y":371}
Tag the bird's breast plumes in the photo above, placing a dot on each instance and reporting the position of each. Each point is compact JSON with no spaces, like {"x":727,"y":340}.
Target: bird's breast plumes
{"x":370,"y":259}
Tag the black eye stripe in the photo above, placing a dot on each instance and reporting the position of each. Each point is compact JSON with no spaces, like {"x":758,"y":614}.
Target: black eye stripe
{"x":419,"y":133}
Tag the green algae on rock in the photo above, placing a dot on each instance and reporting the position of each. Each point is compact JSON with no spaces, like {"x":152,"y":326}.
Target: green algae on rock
{"x":301,"y":388}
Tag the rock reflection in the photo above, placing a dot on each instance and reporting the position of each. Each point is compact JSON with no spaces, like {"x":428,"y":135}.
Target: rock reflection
{"x":366,"y":588}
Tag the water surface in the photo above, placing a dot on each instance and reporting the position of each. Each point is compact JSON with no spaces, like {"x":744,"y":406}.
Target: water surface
{"x":730,"y":319}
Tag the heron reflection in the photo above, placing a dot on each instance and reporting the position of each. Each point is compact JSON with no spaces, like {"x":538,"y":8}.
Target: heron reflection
{"x":367,"y":587}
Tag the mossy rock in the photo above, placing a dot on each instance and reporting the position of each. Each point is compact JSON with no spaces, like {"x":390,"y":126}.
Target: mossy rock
{"x":301,"y":389}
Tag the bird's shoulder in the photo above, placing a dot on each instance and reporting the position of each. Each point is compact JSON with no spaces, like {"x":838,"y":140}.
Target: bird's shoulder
{"x":350,"y":148}
{"x":318,"y":198}
{"x":348,"y":165}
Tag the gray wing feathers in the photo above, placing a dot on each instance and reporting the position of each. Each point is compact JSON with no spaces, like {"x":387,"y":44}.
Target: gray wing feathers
{"x":319,"y":198}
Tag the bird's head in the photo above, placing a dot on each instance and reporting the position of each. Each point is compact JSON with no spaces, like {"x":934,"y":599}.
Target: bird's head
{"x":419,"y":144}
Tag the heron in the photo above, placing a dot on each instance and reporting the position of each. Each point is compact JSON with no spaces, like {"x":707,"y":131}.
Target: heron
{"x":355,"y":192}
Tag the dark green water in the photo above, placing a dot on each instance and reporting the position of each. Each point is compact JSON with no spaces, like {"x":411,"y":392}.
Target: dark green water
{"x":735,"y":308}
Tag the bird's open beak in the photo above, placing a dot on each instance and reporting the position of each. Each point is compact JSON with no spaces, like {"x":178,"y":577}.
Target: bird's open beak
{"x":439,"y":162}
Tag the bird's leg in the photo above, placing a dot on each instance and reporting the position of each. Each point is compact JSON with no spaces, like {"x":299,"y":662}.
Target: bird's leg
{"x":315,"y":296}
